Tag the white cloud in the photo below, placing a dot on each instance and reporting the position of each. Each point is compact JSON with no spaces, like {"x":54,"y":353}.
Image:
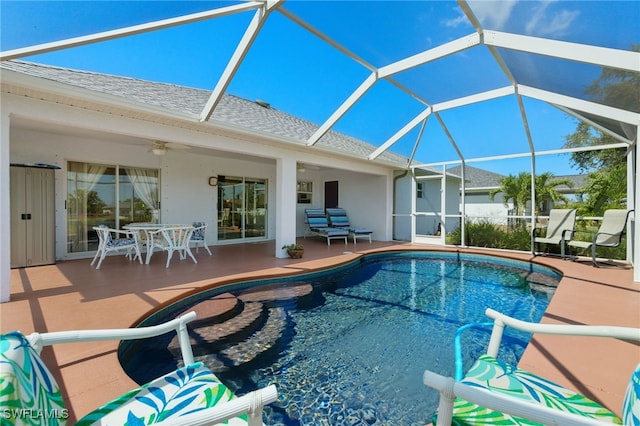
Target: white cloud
{"x":545,"y":23}
{"x":455,"y":22}
{"x":559,"y":23}
{"x":493,"y":14}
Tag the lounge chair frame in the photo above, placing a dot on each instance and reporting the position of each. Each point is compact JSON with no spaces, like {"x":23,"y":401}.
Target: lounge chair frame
{"x":559,"y":230}
{"x":450,"y":389}
{"x":318,"y":225}
{"x":339,"y":219}
{"x":610,"y":233}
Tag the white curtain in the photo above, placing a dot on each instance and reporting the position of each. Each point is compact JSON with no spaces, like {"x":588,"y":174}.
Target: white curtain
{"x":145,"y":185}
{"x":85,"y":179}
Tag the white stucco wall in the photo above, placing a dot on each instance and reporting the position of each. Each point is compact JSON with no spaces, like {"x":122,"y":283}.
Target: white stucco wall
{"x":480,"y":208}
{"x":364,"y":197}
{"x":43,"y":132}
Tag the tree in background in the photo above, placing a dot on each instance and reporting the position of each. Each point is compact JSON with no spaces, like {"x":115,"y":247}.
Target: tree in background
{"x":547,"y":189}
{"x":518,"y":190}
{"x":606,"y":185}
{"x":514,"y":189}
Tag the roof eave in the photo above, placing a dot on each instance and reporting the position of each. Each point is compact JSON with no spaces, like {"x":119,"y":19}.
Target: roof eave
{"x":61,"y":91}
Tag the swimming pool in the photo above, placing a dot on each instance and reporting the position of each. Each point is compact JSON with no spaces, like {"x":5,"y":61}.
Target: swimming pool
{"x":349,"y":346}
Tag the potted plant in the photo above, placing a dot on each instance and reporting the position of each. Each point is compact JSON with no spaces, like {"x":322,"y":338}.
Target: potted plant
{"x":295,"y":251}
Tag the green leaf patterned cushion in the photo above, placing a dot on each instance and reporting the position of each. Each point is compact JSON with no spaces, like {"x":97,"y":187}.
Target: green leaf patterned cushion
{"x":631,"y":404}
{"x":29,"y":395}
{"x":504,"y":379}
{"x":186,"y":390}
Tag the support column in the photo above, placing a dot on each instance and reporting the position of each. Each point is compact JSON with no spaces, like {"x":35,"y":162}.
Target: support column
{"x":412,"y":197}
{"x":443,"y":206}
{"x":285,"y":204}
{"x":5,"y":211}
{"x":633,"y":196}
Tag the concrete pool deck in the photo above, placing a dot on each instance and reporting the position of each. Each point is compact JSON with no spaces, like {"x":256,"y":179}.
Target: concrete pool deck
{"x":74,"y":295}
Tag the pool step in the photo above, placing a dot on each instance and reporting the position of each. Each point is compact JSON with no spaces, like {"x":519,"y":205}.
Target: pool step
{"x":231,"y":331}
{"x":215,"y":310}
{"x":263,"y":341}
{"x":213,"y":336}
{"x":292,"y":296}
{"x":207,"y":335}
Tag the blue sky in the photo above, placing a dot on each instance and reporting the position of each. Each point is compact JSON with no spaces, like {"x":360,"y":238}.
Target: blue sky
{"x":298,"y":73}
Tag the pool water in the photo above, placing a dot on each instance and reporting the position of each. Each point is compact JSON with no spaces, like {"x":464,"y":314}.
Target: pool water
{"x":354,"y":351}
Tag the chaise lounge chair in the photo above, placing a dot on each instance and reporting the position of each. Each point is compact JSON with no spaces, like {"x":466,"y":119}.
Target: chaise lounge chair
{"x":560,"y":229}
{"x":191,"y":395}
{"x":338,"y":219}
{"x":319,"y":225}
{"x":493,"y":392}
{"x":610,"y":233}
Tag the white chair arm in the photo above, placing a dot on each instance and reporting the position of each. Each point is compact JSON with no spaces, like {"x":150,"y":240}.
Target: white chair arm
{"x":251,"y":403}
{"x":615,"y":332}
{"x":502,"y":320}
{"x":501,"y":403}
{"x":38,"y":340}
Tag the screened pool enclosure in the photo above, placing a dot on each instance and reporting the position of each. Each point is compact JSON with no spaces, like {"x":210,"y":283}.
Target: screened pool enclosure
{"x":432,"y":87}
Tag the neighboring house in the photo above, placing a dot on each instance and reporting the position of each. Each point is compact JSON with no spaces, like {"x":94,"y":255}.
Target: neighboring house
{"x":126,"y":150}
{"x":573,"y":192}
{"x":480,"y":183}
{"x":479,"y":206}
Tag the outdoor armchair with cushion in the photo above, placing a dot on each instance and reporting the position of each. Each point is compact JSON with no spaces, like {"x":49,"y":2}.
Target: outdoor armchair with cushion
{"x":494,"y":392}
{"x":610,"y":233}
{"x":199,"y":236}
{"x":562,"y":223}
{"x":191,"y":395}
{"x":338,"y":219}
{"x":319,"y":225}
{"x":107,"y":243}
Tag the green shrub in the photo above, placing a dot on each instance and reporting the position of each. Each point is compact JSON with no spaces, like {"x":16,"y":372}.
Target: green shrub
{"x":518,"y":237}
{"x":491,"y":235}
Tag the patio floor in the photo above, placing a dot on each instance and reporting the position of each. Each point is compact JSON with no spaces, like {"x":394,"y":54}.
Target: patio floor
{"x":74,"y":295}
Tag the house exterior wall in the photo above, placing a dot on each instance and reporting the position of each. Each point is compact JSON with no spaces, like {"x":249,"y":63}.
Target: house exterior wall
{"x":480,"y":208}
{"x":44,"y":132}
{"x":363,"y":196}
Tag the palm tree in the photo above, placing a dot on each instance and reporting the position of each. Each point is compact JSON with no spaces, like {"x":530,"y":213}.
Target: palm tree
{"x":518,"y":190}
{"x":547,"y":188}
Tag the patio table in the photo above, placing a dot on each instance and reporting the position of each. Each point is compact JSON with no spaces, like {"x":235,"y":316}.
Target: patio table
{"x":145,"y":233}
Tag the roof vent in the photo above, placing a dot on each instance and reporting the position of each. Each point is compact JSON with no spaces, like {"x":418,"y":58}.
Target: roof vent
{"x":263,"y":104}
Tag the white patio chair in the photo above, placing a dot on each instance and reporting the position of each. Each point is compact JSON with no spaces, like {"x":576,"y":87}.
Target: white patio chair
{"x":199,"y":236}
{"x":494,"y":392}
{"x":174,"y":238}
{"x":106,"y":244}
{"x":191,"y":395}
{"x":610,"y":233}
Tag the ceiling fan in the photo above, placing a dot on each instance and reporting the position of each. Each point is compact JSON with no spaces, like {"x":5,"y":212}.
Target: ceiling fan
{"x":161,"y":148}
{"x":302,"y":167}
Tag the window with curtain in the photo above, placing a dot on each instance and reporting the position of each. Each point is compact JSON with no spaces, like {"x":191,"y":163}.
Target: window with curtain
{"x":107,"y":195}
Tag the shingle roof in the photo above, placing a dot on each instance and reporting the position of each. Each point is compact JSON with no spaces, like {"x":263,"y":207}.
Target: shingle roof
{"x":477,"y":178}
{"x":231,"y":110}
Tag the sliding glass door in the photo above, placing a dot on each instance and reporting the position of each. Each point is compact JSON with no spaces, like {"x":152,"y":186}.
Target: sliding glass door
{"x":242,"y":208}
{"x":107,"y":195}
